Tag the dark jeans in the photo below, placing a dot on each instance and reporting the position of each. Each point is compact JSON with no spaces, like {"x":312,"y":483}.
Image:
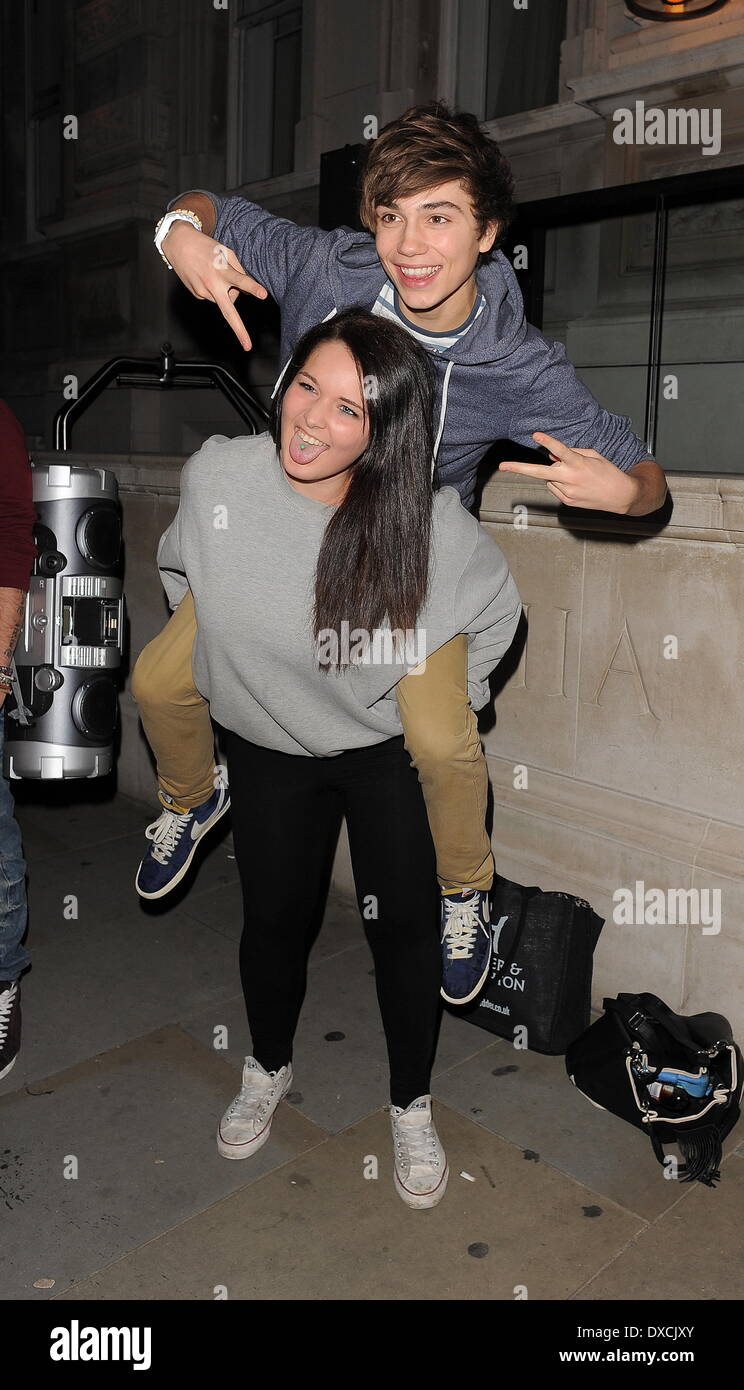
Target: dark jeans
{"x":13,"y":907}
{"x":286,"y":814}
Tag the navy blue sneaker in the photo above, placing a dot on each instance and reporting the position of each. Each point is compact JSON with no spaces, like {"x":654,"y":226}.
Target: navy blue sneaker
{"x":466,"y":944}
{"x":175,"y":836}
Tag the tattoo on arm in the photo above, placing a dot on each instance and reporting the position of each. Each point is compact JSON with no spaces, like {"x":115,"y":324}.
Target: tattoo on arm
{"x":12,"y":610}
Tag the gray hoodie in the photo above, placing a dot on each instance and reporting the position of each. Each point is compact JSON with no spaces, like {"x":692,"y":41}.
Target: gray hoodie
{"x":501,"y":380}
{"x":246,"y":543}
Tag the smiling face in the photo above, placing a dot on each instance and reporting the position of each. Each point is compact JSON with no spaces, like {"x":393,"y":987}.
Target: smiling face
{"x":429,"y":246}
{"x":324,"y":426}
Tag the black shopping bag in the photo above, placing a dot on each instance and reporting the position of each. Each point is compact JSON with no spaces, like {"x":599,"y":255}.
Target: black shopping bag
{"x":541,"y":971}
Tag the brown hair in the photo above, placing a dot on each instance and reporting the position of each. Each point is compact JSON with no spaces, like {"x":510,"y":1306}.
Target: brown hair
{"x":428,"y":145}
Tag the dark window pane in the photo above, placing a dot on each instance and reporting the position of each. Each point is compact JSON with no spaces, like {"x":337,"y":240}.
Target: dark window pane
{"x":597,"y":303}
{"x":524,"y":50}
{"x":701,"y":401}
{"x":287,"y":79}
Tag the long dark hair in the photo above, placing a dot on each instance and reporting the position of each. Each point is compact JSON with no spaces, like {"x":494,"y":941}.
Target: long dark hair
{"x":373,"y":563}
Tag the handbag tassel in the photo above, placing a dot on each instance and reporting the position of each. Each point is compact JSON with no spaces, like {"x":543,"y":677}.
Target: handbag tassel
{"x":702,"y":1154}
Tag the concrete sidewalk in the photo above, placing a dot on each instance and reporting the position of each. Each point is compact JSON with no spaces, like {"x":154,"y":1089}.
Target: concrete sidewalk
{"x":110,"y":1181}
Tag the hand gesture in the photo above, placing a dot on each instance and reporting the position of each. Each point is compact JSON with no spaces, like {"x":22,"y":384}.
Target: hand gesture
{"x":579,"y":477}
{"x":211,"y":271}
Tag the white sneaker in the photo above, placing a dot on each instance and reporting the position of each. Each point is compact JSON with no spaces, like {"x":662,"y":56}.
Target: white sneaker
{"x":246,"y":1124}
{"x":421,"y":1170}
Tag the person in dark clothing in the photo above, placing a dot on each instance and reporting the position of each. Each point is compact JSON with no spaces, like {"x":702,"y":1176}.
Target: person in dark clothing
{"x":17,"y":554}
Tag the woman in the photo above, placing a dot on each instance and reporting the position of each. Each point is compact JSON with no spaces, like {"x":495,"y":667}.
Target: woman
{"x":307,"y":549}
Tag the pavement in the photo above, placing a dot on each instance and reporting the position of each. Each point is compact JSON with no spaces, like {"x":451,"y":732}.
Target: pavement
{"x":134,"y":1035}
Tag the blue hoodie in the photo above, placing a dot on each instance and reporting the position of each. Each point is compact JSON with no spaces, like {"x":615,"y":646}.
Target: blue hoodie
{"x":501,"y":380}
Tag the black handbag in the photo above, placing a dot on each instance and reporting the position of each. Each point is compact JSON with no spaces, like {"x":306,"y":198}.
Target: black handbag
{"x":677,"y":1078}
{"x":541,"y":969}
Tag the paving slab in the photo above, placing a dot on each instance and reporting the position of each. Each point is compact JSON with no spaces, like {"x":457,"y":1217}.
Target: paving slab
{"x":693,"y":1252}
{"x":338,"y":1079}
{"x":102,"y":879}
{"x":139,"y":1122}
{"x":526,"y":1097}
{"x":111,"y":975}
{"x":317,"y":1229}
{"x":59,"y":816}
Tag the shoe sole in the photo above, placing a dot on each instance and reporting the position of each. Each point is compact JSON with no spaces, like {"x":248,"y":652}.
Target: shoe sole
{"x":476,"y":990}
{"x":421,"y":1200}
{"x":9,"y":1067}
{"x":227,"y":1150}
{"x":172,"y":883}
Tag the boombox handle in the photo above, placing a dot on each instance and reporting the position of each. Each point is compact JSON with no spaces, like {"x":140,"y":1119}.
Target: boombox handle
{"x":160,"y":373}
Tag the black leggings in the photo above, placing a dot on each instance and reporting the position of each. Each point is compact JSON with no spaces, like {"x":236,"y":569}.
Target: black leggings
{"x":286,"y":814}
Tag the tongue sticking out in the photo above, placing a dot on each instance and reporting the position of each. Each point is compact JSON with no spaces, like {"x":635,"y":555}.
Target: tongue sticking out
{"x":300,"y":452}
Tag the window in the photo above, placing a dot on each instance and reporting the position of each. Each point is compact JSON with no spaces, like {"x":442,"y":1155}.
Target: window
{"x":524,"y":52}
{"x":265,"y":89}
{"x":44,"y":69}
{"x":508,"y":59}
{"x":644,"y":285}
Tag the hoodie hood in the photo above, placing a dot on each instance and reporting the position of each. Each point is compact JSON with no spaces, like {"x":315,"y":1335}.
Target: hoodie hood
{"x":357,"y":276}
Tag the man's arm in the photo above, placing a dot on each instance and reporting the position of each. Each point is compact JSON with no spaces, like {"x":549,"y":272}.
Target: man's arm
{"x":199,"y":202}
{"x":652,"y":487}
{"x":585,"y":478}
{"x":241,"y":235}
{"x":600,"y":463}
{"x":207,"y":269}
{"x":12,"y":609}
{"x":17,"y":518}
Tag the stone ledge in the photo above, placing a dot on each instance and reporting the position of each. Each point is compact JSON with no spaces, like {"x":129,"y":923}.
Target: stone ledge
{"x":684,"y":837}
{"x":540,"y":121}
{"x":706,"y":508}
{"x":660,"y":76}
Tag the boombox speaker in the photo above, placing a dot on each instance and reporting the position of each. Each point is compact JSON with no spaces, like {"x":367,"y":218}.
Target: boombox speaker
{"x":63,"y":719}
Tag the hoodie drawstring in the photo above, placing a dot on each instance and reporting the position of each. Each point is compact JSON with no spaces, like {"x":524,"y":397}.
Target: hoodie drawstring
{"x":442,"y":413}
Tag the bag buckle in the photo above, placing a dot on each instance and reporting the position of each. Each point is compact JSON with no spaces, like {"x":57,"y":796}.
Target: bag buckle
{"x":637,"y":1018}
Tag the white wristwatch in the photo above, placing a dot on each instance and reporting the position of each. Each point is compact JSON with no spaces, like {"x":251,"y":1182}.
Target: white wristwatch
{"x":165,"y":224}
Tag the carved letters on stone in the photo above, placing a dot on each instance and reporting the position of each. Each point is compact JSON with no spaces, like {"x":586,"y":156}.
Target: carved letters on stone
{"x":633,"y":669}
{"x":631,"y":666}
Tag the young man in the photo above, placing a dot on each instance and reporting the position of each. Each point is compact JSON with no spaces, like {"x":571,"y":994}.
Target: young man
{"x":436,"y":196}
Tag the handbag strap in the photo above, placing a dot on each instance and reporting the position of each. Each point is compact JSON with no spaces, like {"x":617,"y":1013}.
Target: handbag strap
{"x":647,"y":1011}
{"x":527,"y":895}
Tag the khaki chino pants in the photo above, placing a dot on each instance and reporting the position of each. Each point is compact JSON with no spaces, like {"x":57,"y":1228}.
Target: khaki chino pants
{"x":440,"y":733}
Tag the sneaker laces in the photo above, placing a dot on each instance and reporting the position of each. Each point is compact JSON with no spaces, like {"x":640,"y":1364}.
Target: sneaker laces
{"x":416,"y":1142}
{"x":166,"y":832}
{"x":251,"y":1094}
{"x":7,"y":1000}
{"x":461,"y":925}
